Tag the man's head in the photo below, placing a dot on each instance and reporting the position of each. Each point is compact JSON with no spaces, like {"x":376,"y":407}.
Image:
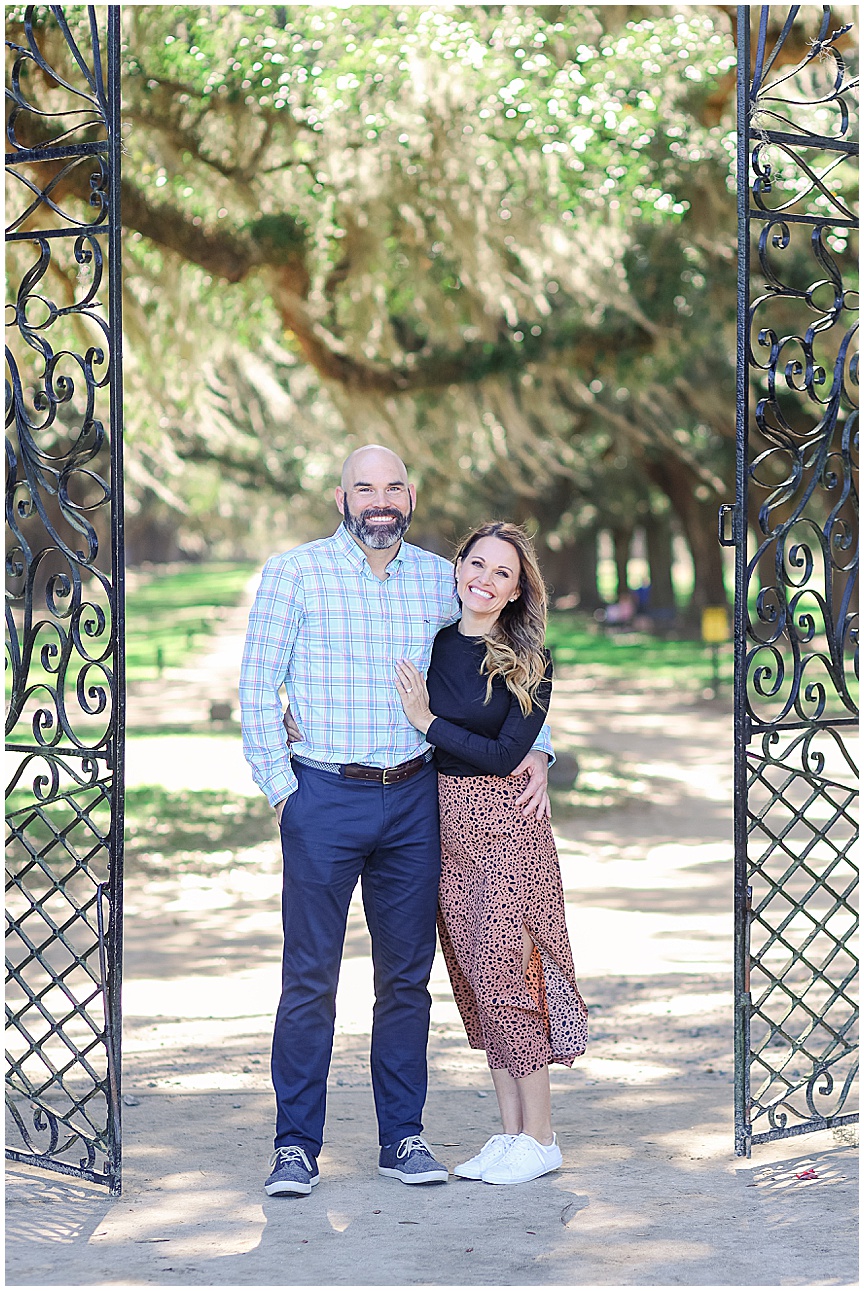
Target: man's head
{"x":375,"y":498}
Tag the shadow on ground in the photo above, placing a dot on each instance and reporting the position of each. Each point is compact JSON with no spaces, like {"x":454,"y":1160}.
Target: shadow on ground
{"x":649,"y":1195}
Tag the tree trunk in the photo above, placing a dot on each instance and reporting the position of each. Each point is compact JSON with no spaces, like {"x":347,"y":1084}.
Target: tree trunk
{"x":585,"y":566}
{"x":621,"y":539}
{"x":658,"y":542}
{"x":699,"y":521}
{"x":151,"y":539}
{"x":557,"y":568}
{"x":571,"y":571}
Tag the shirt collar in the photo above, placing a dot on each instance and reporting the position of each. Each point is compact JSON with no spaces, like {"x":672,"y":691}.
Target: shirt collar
{"x":354,"y":553}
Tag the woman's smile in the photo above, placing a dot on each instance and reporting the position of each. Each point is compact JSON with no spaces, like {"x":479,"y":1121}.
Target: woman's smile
{"x":487,"y":577}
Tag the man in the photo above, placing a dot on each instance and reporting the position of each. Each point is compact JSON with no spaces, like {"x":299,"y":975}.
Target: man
{"x":356,"y":797}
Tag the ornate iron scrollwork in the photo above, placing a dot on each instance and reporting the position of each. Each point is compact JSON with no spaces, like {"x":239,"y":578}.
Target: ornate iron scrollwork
{"x":64,"y":599}
{"x":796,"y":580}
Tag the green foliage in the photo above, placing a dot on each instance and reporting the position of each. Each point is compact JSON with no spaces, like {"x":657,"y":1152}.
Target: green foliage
{"x":511,"y":184}
{"x":505,"y":78}
{"x":279,"y":232}
{"x":512,"y":236}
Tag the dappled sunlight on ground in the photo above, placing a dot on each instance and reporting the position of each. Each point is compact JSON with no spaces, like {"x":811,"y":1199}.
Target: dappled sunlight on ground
{"x":649,"y":1195}
{"x":630,"y":941}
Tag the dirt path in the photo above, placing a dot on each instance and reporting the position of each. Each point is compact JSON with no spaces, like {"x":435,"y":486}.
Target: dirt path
{"x":650,"y":1193}
{"x":182,"y":696}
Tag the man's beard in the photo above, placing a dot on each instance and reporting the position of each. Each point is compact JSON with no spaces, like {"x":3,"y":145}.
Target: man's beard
{"x":377,"y":536}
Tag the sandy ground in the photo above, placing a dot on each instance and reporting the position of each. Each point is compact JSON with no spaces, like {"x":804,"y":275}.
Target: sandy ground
{"x":650,"y":1192}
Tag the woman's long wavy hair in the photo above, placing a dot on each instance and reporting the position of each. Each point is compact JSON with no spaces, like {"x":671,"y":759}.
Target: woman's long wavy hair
{"x":514,"y":646}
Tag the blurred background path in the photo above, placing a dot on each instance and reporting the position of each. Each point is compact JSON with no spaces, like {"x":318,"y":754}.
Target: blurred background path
{"x":183,"y":697}
{"x":650,"y":1193}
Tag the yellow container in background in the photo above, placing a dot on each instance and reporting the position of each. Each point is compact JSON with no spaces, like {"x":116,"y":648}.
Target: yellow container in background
{"x":715,"y":624}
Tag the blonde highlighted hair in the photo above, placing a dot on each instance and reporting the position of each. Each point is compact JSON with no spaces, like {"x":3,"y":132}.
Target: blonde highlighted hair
{"x":514,"y":646}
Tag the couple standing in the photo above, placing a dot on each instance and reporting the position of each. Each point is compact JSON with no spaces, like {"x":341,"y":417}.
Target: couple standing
{"x":351,"y":625}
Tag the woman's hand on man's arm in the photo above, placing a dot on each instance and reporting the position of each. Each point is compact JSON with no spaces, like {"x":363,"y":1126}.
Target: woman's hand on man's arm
{"x":414,"y":697}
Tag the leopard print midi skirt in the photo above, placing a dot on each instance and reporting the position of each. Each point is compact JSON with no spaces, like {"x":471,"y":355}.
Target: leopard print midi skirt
{"x":499,"y":872}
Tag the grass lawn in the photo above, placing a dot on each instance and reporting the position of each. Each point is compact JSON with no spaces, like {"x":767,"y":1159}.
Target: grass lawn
{"x":576,"y":639}
{"x":204,"y":830}
{"x":165,"y":830}
{"x":167,"y":616}
{"x":178,"y":830}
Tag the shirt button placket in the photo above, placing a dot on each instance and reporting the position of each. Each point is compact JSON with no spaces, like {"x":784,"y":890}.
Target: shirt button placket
{"x":388,"y":629}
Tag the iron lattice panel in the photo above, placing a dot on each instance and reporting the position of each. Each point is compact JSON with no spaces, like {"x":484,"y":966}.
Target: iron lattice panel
{"x":57,"y":907}
{"x":64,"y":593}
{"x":801,"y":882}
{"x":795,"y":533}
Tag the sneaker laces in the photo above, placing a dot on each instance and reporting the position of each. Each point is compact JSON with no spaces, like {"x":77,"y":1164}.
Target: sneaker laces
{"x":412,"y":1144}
{"x":293,"y":1153}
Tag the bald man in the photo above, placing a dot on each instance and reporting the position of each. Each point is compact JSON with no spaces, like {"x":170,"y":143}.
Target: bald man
{"x":355,"y":797}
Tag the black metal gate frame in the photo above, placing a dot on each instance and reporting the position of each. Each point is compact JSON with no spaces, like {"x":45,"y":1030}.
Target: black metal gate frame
{"x":753,"y":181}
{"x":63,"y":1119}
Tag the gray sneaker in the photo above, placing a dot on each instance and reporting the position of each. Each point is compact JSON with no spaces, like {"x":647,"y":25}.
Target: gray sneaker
{"x":291,"y":1171}
{"x":411,"y":1161}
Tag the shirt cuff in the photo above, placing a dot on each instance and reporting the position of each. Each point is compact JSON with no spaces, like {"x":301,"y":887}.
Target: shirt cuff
{"x":280,"y":786}
{"x":543,"y":743}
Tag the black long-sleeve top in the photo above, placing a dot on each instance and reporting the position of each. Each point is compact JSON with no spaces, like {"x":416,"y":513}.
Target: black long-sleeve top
{"x":470,"y":737}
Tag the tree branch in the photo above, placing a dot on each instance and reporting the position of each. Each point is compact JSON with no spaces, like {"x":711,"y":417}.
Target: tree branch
{"x":225,"y":253}
{"x":247,"y":473}
{"x":432,"y":368}
{"x":233,"y":255}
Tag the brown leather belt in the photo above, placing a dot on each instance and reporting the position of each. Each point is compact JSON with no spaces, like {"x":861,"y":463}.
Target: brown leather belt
{"x":384,"y":775}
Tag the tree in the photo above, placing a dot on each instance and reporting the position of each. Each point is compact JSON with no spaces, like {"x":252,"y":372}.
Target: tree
{"x":500,"y":239}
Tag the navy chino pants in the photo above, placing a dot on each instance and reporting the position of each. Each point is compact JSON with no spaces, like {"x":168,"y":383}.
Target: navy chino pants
{"x":335,"y":830}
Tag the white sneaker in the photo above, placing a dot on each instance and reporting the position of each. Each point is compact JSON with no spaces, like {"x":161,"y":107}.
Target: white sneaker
{"x":524,"y":1159}
{"x":490,"y":1154}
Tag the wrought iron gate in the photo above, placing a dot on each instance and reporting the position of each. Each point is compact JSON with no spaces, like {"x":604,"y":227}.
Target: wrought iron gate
{"x":64,"y":600}
{"x":794,"y":528}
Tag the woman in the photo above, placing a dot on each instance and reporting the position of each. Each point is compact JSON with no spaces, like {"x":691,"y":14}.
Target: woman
{"x":501,"y":907}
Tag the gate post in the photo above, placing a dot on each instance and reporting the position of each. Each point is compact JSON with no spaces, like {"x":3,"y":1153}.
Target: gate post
{"x":739,"y":540}
{"x":65,"y":601}
{"x":117,"y":762}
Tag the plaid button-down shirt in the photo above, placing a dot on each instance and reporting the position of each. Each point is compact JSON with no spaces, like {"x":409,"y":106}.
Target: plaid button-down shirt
{"x":324,"y":626}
